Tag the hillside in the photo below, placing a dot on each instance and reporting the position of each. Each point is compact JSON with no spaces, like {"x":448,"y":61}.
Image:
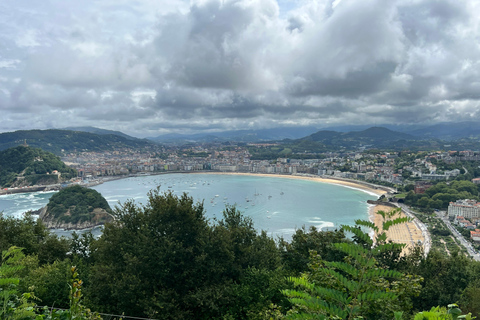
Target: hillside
{"x":328,"y":140}
{"x":101,"y":132}
{"x":76,"y":207}
{"x":58,"y":141}
{"x":26,"y":166}
{"x":238,"y":135}
{"x":450,"y":131}
{"x":373,"y":135}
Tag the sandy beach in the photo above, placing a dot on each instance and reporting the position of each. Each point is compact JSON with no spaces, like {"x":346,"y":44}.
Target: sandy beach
{"x":407,"y":233}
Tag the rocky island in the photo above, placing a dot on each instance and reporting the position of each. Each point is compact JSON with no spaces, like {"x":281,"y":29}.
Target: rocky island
{"x":76,"y":208}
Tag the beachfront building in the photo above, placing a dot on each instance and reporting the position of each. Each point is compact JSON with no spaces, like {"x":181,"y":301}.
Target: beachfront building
{"x":466,"y":208}
{"x":475,"y":235}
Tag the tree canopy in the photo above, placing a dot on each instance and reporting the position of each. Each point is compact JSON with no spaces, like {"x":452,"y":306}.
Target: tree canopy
{"x":76,"y":204}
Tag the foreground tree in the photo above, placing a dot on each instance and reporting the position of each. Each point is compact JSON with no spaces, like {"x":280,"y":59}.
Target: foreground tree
{"x":33,"y":237}
{"x":164,"y":260}
{"x":296,"y":253}
{"x":358,"y":286}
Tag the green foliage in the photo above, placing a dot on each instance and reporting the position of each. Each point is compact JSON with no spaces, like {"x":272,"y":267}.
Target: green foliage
{"x":442,"y":313}
{"x":76,"y":309}
{"x":445,"y":279}
{"x":296,"y":253}
{"x":13,"y":305}
{"x":17,"y":306}
{"x":31,"y":163}
{"x":78,"y":201}
{"x":469,"y":299}
{"x":440,"y":195}
{"x":49,"y":282}
{"x":355,"y":287}
{"x":59,"y":141}
{"x":198,"y":270}
{"x":33,"y":237}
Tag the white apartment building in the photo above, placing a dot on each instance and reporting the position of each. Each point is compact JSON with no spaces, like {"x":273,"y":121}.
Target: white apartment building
{"x":466,"y":208}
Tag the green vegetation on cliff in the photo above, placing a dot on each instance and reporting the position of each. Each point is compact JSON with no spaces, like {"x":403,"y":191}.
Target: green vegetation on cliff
{"x":23,"y":166}
{"x":76,"y":204}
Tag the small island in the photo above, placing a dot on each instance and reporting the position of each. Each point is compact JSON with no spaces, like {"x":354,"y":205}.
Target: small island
{"x":76,"y":208}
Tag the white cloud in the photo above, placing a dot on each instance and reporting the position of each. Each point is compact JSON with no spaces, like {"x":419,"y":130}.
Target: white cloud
{"x":159,"y":65}
{"x":9,"y":63}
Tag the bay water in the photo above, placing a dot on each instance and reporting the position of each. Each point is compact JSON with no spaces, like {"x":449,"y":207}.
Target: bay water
{"x":278,"y":205}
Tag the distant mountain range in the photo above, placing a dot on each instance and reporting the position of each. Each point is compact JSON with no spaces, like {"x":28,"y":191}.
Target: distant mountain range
{"x":443,"y":131}
{"x":59,"y":141}
{"x":374,"y":136}
{"x":373,"y":133}
{"x":239,"y":135}
{"x":450,"y":131}
{"x":398,"y":136}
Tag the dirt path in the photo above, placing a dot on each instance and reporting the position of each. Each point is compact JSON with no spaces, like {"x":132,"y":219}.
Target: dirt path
{"x":445,"y":245}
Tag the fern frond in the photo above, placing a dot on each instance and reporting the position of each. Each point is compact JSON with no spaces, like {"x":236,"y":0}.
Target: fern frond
{"x":9,"y":281}
{"x":351,"y":249}
{"x":332,"y":294}
{"x":305,"y":316}
{"x":346,"y":283}
{"x":389,"y":223}
{"x":359,"y":233}
{"x":382,"y":273}
{"x":367,"y":224}
{"x":376,"y":295}
{"x":347,"y":268}
{"x":301,"y":282}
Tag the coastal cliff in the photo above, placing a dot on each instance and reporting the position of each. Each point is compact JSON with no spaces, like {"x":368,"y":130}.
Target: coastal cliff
{"x":100,"y":217}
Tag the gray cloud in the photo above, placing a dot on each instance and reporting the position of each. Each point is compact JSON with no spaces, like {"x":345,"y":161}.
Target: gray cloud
{"x":149,"y":67}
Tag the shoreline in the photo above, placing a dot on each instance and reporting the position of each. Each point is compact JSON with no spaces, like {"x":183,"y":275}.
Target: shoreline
{"x":350,"y":184}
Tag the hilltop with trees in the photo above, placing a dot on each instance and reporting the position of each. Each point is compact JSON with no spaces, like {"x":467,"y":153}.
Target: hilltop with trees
{"x":60,"y":141}
{"x":76,"y":207}
{"x":25,"y":166}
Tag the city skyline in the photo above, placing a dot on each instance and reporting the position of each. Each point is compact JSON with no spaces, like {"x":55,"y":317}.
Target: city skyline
{"x":148,"y":68}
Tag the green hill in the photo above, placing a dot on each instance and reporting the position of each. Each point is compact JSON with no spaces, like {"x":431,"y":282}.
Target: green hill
{"x":377,"y":136}
{"x":26,"y":166}
{"x":76,"y":205}
{"x":101,"y":132}
{"x":59,"y":141}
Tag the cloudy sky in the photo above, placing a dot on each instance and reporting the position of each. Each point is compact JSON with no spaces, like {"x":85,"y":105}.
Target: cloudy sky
{"x":150,"y":67}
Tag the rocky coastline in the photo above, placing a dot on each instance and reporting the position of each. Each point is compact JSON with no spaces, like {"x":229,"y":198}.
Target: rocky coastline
{"x":52,"y":223}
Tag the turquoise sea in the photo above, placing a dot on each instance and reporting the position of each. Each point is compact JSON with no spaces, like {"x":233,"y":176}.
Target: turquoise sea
{"x":278,"y":205}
